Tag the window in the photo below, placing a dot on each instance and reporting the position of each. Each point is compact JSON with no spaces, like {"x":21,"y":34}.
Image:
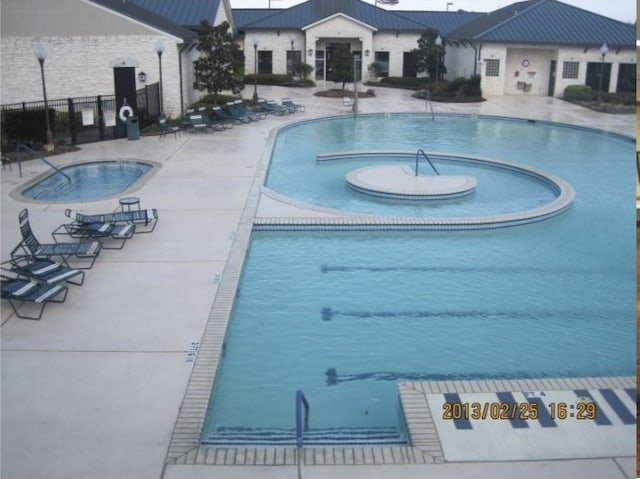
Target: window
{"x":382,"y":64}
{"x":492,"y":68}
{"x":265,"y":61}
{"x":294,"y":58}
{"x":319,"y":64}
{"x":570,"y":69}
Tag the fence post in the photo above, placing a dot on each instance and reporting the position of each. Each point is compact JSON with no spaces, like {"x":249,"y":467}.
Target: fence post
{"x":100,"y":118}
{"x":72,"y":122}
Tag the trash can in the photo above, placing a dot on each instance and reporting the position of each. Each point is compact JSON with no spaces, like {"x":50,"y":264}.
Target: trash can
{"x":133,"y":128}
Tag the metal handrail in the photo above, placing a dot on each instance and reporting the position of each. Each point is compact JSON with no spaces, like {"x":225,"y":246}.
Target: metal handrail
{"x":428,"y":160}
{"x":429,"y":105}
{"x":301,"y":401}
{"x":21,"y":148}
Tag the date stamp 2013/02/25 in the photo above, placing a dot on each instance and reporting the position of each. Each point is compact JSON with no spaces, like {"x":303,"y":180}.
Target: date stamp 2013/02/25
{"x":584,"y":410}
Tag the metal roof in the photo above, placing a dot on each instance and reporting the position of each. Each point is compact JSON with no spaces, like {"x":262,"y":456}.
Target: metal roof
{"x":136,"y":12}
{"x":443,"y":22}
{"x":188,"y":13}
{"x":547,"y":22}
{"x":312,"y":11}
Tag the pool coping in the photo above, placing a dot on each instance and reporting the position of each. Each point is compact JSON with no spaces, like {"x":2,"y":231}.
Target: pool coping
{"x":16,"y":193}
{"x":185,"y":447}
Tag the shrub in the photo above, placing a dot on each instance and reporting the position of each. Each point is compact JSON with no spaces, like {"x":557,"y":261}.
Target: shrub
{"x":276,"y":79}
{"x":578,"y":93}
{"x":410,"y":83}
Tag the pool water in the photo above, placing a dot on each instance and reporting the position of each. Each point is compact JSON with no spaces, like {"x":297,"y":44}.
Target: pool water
{"x":587,"y":160}
{"x":88,"y":181}
{"x":345,"y":316}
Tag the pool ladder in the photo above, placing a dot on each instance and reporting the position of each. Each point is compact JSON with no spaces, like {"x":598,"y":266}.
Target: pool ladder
{"x":428,"y":161}
{"x":429,"y":105}
{"x":23,"y":148}
{"x":301,"y":426}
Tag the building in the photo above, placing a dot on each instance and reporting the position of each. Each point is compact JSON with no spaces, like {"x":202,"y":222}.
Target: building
{"x":535,"y":47}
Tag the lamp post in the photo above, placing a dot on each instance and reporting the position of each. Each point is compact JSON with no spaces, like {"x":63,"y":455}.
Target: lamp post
{"x":438,"y":46}
{"x":159,"y":50}
{"x":603,"y":52}
{"x":40,"y":50}
{"x":255,"y":69}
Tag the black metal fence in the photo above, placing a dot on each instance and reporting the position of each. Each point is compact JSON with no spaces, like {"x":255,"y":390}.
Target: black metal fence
{"x":73,"y":120}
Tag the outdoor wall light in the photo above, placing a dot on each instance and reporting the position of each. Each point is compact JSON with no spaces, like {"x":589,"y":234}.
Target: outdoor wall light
{"x":366,"y":53}
{"x":310,"y":52}
{"x":142,"y":77}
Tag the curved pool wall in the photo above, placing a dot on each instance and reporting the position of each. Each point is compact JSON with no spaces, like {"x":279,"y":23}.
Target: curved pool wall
{"x":86,"y":181}
{"x":561,"y":150}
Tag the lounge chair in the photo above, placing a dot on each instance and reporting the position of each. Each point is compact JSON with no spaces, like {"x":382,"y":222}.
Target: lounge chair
{"x":97,"y":230}
{"x":197,"y":123}
{"x":288,"y":103}
{"x":43,"y":270}
{"x":32,"y":248}
{"x":214,"y":123}
{"x":272,"y":107}
{"x":228,"y":116}
{"x":166,"y":128}
{"x":237,"y":108}
{"x":16,"y":290}
{"x":147,"y":218}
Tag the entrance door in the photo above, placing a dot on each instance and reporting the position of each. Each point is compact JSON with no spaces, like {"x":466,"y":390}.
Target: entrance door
{"x":552,"y":77}
{"x":409,"y":65}
{"x":330,"y":52}
{"x":594,"y":71}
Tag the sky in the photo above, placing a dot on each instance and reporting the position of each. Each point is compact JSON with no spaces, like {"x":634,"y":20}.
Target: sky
{"x":624,"y":10}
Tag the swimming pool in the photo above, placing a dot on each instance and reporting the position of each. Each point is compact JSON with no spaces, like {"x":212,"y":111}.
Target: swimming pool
{"x":88,"y":181}
{"x":343,"y":316}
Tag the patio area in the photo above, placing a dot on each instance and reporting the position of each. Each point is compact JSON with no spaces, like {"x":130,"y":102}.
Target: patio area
{"x":94,"y":389}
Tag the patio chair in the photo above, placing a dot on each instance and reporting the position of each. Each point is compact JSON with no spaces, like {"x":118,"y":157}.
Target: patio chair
{"x":145,"y":217}
{"x":218,"y":115}
{"x":166,"y":128}
{"x":31,"y":247}
{"x":197,"y":123}
{"x":88,"y":230}
{"x":16,"y":290}
{"x":228,"y":116}
{"x":43,"y":270}
{"x":237,"y":108}
{"x":288,"y":103}
{"x":272,"y":107}
{"x":212,"y":121}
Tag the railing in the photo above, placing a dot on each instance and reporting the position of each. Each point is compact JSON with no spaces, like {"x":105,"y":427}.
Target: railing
{"x":21,"y":148}
{"x":429,"y":105}
{"x":428,"y":161}
{"x":301,"y":401}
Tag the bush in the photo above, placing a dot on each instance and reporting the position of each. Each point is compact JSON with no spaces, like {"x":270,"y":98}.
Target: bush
{"x":276,"y":79}
{"x":578,"y":93}
{"x":410,"y":83}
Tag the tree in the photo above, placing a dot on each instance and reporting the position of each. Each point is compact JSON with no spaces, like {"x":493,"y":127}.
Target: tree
{"x":342,"y":65}
{"x":428,"y":54}
{"x":221,"y":62}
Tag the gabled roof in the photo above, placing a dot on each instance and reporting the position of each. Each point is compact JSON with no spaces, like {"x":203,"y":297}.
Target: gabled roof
{"x":546,"y":22}
{"x":187,"y":13}
{"x":135,"y":12}
{"x":313,"y":11}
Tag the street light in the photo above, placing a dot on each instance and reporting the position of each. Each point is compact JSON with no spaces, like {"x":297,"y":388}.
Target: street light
{"x":438,"y":45}
{"x":159,"y":50}
{"x":40,"y":50}
{"x":603,"y":51}
{"x":255,"y":69}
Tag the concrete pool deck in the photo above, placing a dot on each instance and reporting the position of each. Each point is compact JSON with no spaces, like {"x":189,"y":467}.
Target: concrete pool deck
{"x":94,"y":389}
